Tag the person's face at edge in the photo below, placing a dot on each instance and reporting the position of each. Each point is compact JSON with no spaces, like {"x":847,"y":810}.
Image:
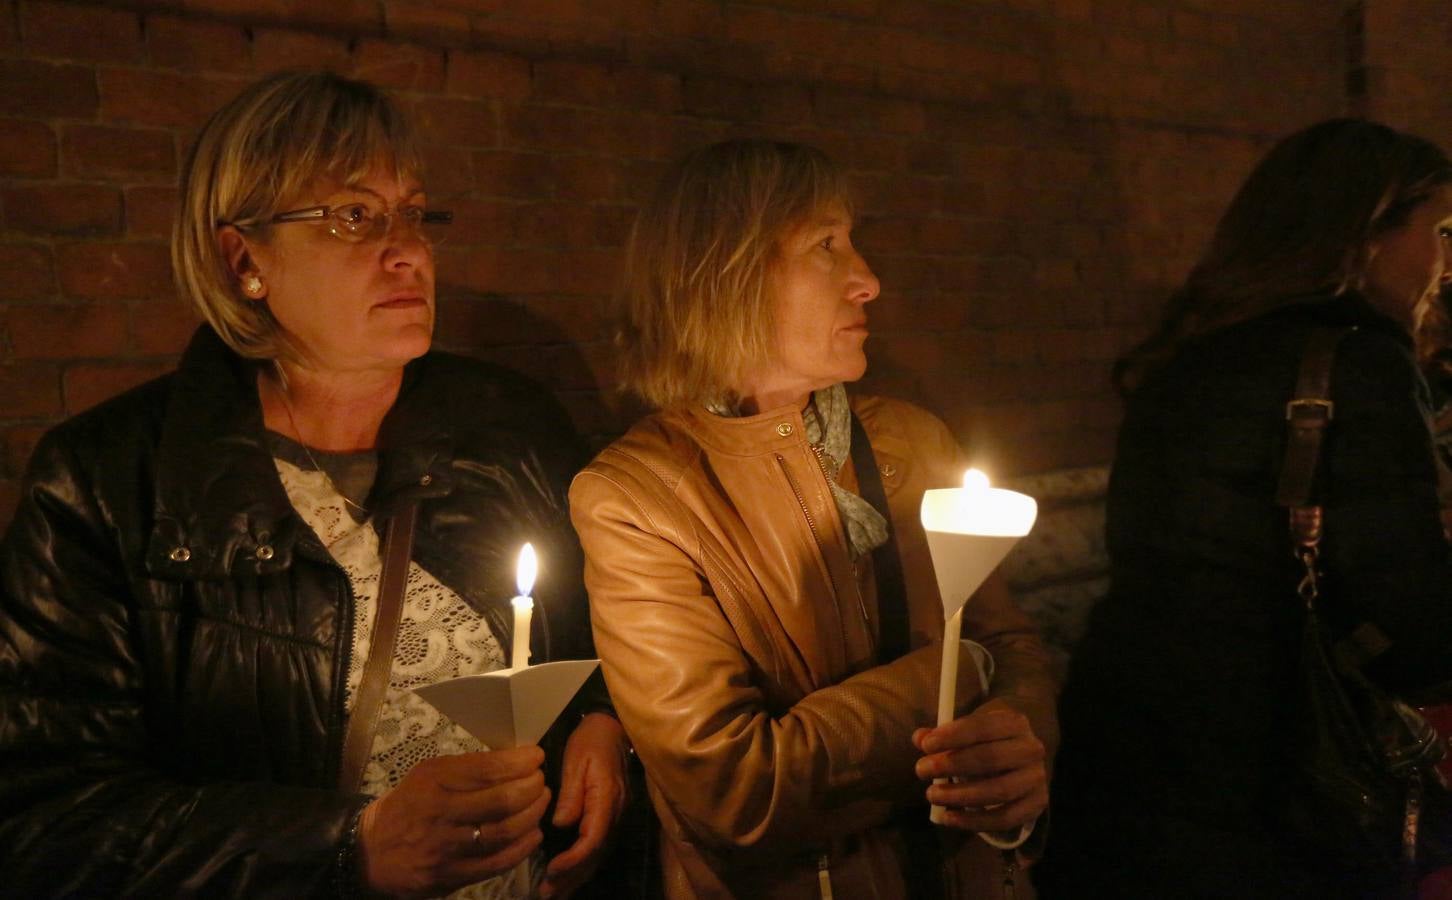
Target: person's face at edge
{"x":351,"y":307}
{"x":820,"y":286}
{"x":1408,"y":265}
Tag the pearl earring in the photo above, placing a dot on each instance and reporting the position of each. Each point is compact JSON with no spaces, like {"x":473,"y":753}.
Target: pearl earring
{"x":253,"y":284}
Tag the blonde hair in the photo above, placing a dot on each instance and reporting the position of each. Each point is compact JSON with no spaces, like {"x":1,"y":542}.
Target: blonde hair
{"x":695,"y":310}
{"x":261,"y":151}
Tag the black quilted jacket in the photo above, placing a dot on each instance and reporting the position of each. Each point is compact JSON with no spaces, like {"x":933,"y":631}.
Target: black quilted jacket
{"x":174,"y":639}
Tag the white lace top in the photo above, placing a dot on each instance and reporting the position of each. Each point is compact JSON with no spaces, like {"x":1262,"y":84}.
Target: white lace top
{"x":439,"y":637}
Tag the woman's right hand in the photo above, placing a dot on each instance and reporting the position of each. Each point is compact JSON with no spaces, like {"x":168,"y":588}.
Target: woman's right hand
{"x":419,"y":839}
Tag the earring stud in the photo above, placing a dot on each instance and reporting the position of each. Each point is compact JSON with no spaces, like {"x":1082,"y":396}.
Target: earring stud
{"x":252,"y":284}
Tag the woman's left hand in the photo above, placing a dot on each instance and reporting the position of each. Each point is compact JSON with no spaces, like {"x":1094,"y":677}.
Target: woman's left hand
{"x":998,"y":764}
{"x":593,"y":794}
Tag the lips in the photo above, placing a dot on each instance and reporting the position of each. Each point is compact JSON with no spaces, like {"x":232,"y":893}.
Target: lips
{"x":403,"y":301}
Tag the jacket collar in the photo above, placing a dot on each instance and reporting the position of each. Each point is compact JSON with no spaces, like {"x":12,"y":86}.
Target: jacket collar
{"x":220,"y":505}
{"x":765,"y":432}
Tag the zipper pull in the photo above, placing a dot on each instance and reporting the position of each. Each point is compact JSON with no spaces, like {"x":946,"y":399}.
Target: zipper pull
{"x":1010,"y":875}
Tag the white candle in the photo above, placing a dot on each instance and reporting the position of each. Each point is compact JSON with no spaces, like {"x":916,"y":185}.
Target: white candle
{"x":970,"y":529}
{"x":523,"y":606}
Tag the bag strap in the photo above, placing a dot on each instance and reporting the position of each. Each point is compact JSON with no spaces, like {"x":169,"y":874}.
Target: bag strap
{"x":1308,"y":413}
{"x":363,"y":718}
{"x":892,"y":609}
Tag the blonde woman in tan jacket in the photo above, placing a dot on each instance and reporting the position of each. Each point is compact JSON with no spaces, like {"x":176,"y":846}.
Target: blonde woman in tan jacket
{"x":773,"y":674}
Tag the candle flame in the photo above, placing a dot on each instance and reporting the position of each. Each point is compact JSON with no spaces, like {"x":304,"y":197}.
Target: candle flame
{"x":975,"y":480}
{"x":527,"y":569}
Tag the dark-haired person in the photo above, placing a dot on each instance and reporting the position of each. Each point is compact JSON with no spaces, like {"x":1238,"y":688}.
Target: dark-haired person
{"x":190,"y":587}
{"x":739,"y":602}
{"x":1177,"y":710}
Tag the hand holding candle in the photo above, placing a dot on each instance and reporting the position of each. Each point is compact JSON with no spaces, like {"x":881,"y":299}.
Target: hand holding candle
{"x":970,"y":530}
{"x":523,"y":606}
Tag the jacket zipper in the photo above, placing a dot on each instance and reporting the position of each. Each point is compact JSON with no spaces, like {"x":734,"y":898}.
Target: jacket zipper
{"x":819,"y":451}
{"x":342,"y":651}
{"x":824,"y":877}
{"x":801,"y":500}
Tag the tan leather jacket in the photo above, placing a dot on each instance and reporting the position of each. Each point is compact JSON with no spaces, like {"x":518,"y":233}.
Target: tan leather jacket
{"x":738,"y":641}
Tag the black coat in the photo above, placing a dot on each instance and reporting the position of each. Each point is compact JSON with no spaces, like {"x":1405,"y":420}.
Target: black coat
{"x":1175,"y":714}
{"x":171,"y":692}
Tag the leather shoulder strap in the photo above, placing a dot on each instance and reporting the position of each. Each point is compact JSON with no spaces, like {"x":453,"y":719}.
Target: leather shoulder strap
{"x":892,"y":607}
{"x":1307,"y":415}
{"x":363,"y":718}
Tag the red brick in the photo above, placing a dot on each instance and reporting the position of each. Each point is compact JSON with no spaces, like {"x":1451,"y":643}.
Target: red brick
{"x":162,"y":329}
{"x":27,"y":149}
{"x":9,"y":33}
{"x":63,"y":209}
{"x":274,"y":49}
{"x":391,"y":64}
{"x":69,"y":331}
{"x":194,"y":46}
{"x":363,"y":16}
{"x":480,"y":222}
{"x":114,"y":271}
{"x":29,"y":390}
{"x":567,"y":130}
{"x":149,"y":211}
{"x":468,"y":123}
{"x":44,"y":90}
{"x":104,"y":150}
{"x":571,"y":225}
{"x":29,"y":273}
{"x":574,"y":320}
{"x":87,"y":384}
{"x":81,"y":32}
{"x":163,"y":98}
{"x":506,"y":173}
{"x":424,"y":20}
{"x":493,"y":75}
{"x":467,"y":319}
{"x":447,"y":170}
{"x":587,"y":84}
{"x":19,"y":443}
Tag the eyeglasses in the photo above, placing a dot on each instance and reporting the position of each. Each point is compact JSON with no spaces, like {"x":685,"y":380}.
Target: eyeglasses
{"x":358,"y":223}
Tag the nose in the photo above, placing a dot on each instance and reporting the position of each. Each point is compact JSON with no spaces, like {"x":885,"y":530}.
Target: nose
{"x":404,"y":244}
{"x":863,"y":286}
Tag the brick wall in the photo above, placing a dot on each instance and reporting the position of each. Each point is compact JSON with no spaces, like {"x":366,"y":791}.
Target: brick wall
{"x":1035,"y":174}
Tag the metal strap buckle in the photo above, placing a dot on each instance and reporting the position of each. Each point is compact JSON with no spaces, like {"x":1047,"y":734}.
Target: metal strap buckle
{"x":1310,"y":407}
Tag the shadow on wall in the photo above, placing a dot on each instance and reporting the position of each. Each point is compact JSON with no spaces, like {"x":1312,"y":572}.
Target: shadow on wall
{"x":514,"y":333}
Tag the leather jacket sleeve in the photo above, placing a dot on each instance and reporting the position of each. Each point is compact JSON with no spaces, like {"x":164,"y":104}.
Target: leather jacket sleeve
{"x":87,"y":807}
{"x":736,"y":773}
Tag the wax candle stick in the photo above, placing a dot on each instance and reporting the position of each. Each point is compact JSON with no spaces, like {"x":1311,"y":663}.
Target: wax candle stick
{"x":523,"y":606}
{"x":969,"y":529}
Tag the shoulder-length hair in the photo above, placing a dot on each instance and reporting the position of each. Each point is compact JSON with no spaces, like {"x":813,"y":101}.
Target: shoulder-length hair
{"x":695,"y":310}
{"x":256,"y":154}
{"x":1298,"y":230}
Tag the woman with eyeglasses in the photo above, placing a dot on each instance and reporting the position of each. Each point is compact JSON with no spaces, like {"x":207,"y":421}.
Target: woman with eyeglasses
{"x":200,"y":569}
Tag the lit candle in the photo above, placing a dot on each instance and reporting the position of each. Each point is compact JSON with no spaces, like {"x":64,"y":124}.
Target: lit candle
{"x":970,"y":529}
{"x":523,"y":606}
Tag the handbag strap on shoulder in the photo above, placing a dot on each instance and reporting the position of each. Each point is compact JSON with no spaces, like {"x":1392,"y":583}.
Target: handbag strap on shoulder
{"x":363,"y":717}
{"x":1308,"y":413}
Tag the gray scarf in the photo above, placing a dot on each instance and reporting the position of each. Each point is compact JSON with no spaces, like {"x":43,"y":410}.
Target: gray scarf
{"x":829,"y":425}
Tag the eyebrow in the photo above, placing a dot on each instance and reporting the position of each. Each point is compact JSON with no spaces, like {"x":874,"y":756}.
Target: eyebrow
{"x":412,"y":189}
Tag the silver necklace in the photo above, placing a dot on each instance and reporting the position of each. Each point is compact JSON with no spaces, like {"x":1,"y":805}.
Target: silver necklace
{"x":303,"y":443}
